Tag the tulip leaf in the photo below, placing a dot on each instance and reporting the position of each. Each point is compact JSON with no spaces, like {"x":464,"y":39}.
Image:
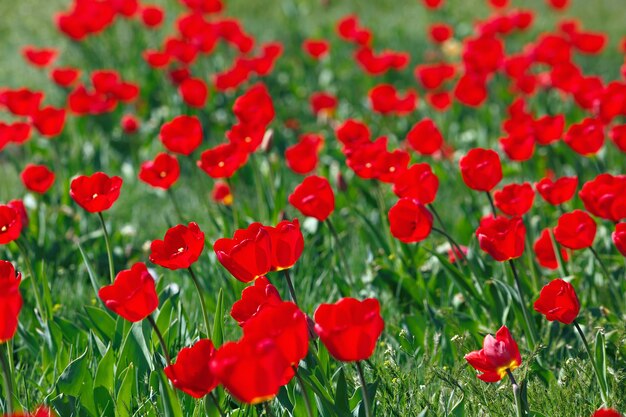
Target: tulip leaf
{"x":71,"y":381}
{"x":341,"y":393}
{"x":123,"y":403}
{"x":101,"y":323}
{"x":218,"y":319}
{"x":105,"y":374}
{"x":600,"y":359}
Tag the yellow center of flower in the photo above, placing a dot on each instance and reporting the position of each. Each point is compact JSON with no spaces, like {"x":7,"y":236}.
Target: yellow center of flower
{"x":221,"y":164}
{"x":248,"y":139}
{"x":392,"y":169}
{"x":228,"y":200}
{"x":4,"y":229}
{"x":94,"y":195}
{"x":181,"y":249}
{"x":511,"y":367}
{"x":162,"y":174}
{"x":368,"y":165}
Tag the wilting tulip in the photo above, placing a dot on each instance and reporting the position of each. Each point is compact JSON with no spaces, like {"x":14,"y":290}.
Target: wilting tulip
{"x":349,"y":328}
{"x":575,"y":230}
{"x":10,"y":300}
{"x":410,"y":221}
{"x":37,"y":178}
{"x":162,"y":172}
{"x":314,"y":197}
{"x":253,"y":299}
{"x":132,"y":295}
{"x":515,"y":199}
{"x":498,"y":355}
{"x":180,"y":248}
{"x":558,"y":301}
{"x":95,"y":193}
{"x":544,"y":251}
{"x":502,"y":238}
{"x":248,"y":255}
{"x":481,"y":169}
{"x":192,"y":372}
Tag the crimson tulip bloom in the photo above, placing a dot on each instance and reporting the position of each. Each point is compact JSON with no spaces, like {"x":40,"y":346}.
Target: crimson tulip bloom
{"x":558,"y":301}
{"x":515,"y":199}
{"x":605,"y":196}
{"x":18,"y":206}
{"x":314,"y":197}
{"x":132,"y":295}
{"x":194,"y":92}
{"x":619,"y":238}
{"x":254,"y":298}
{"x":498,"y":355}
{"x":385,"y":99}
{"x":323,"y":103}
{"x":95,"y":193}
{"x":152,"y":16}
{"x":286,"y":325}
{"x":39,"y":57}
{"x":37,"y":178}
{"x":302,"y":157}
{"x":424,"y":137}
{"x":192,"y":371}
{"x":129,"y":123}
{"x":254,"y":107}
{"x":248,"y":255}
{"x":544,"y":251}
{"x":49,"y":121}
{"x":349,"y":328}
{"x":585,"y":138}
{"x":64,"y":77}
{"x":417,"y":182}
{"x":433,"y":76}
{"x":575,"y":230}
{"x":223,"y":160}
{"x":287,"y":244}
{"x":481,"y":169}
{"x":221,"y":193}
{"x":501,"y":237}
{"x":252,"y":369}
{"x":316,"y":48}
{"x":163,"y":172}
{"x":607,"y":412}
{"x":180,"y":248}
{"x":182,"y":135}
{"x":410,"y":221}
{"x":559,"y":191}
{"x":10,"y":300}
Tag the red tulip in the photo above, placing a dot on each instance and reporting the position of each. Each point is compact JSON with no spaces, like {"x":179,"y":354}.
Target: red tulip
{"x":182,"y":135}
{"x":152,"y":16}
{"x":560,"y":5}
{"x":221,"y":193}
{"x":204,"y":6}
{"x":10,"y":300}
{"x":252,"y":369}
{"x":515,"y":199}
{"x":575,"y":230}
{"x":156,"y":59}
{"x":223,"y":160}
{"x":384,"y":99}
{"x":349,"y":328}
{"x":558,"y":301}
{"x":194,"y":92}
{"x":64,"y":77}
{"x":410,"y":221}
{"x":132,"y":295}
{"x":302,"y":157}
{"x":314,"y":197}
{"x":49,"y":121}
{"x":192,"y":371}
{"x":37,"y":178}
{"x":248,"y":255}
{"x":606,"y":412}
{"x":424,"y":137}
{"x":22,"y":102}
{"x":471,"y":89}
{"x":605,"y":196}
{"x":618,"y":136}
{"x":440,"y":32}
{"x":349,"y":29}
{"x":559,"y":191}
{"x":39,"y":57}
{"x":434,"y":75}
{"x":352,"y":134}
{"x":286,"y":325}
{"x":585,"y":138}
{"x":180,"y":248}
{"x":498,"y":355}
{"x":502,"y":238}
{"x":254,"y":107}
{"x":316,"y":48}
{"x":163,"y":172}
{"x":254,"y":298}
{"x":323,"y":103}
{"x":287,"y":244}
{"x":619,"y":238}
{"x":544,"y":250}
{"x":10,"y":224}
{"x":417,"y":182}
{"x":16,"y":132}
{"x":549,"y":129}
{"x":433,"y":4}
{"x":481,"y":169}
{"x":129,"y":123}
{"x":95,"y":193}
{"x":18,"y":206}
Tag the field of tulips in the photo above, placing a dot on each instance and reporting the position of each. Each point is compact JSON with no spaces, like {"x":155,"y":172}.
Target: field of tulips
{"x":313,"y":208}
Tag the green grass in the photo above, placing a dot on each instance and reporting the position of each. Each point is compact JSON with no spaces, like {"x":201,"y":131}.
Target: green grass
{"x":80,"y":362}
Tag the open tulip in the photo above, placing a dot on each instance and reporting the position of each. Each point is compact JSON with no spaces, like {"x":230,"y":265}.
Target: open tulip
{"x":619,"y":238}
{"x":37,"y":178}
{"x":192,"y":371}
{"x":501,"y":237}
{"x":182,"y":135}
{"x":498,"y":355}
{"x":558,"y":191}
{"x":544,"y":250}
{"x":253,"y":299}
{"x":180,"y":248}
{"x":132,"y":295}
{"x":10,"y":224}
{"x":95,"y":193}
{"x":575,"y":230}
{"x":162,"y":172}
{"x":287,"y":244}
{"x":248,"y":255}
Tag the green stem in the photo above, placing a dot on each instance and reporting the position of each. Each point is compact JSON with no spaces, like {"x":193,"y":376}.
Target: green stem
{"x":366,"y":401}
{"x":202,"y":303}
{"x":493,"y":206}
{"x":179,"y":213}
{"x":338,"y":246}
{"x":161,"y":339}
{"x":520,"y":293}
{"x":292,"y":291}
{"x":603,"y":394}
{"x":605,"y":271}
{"x":6,"y":376}
{"x":307,"y":401}
{"x":31,"y":273}
{"x":559,"y":257}
{"x":108,"y":244}
{"x":217,"y":404}
{"x":517,"y":394}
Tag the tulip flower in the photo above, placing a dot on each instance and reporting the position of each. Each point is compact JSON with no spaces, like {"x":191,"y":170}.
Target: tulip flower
{"x":417,"y":182}
{"x":314,"y":197}
{"x":10,"y":300}
{"x":410,"y":221}
{"x":498,"y":357}
{"x":575,"y":230}
{"x":180,"y":248}
{"x":10,"y":224}
{"x":502,"y":238}
{"x":558,"y":301}
{"x":254,"y":299}
{"x":192,"y":372}
{"x":182,"y":135}
{"x":95,"y":193}
{"x":132,"y":295}
{"x":248,"y":255}
{"x":162,"y":172}
{"x":515,"y":199}
{"x":37,"y":178}
{"x":607,"y":412}
{"x":481,"y":169}
{"x":619,"y":238}
{"x":424,"y":137}
{"x":605,"y":197}
{"x":544,"y":251}
{"x":558,"y":191}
